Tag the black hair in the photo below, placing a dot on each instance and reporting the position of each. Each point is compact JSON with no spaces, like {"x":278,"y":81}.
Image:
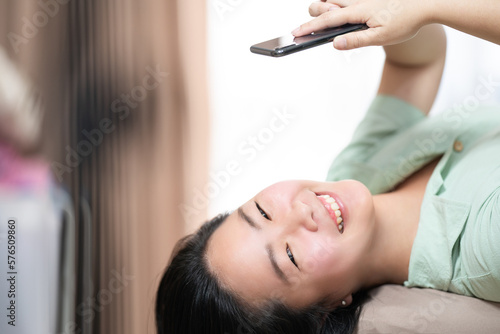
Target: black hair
{"x":191,"y":300}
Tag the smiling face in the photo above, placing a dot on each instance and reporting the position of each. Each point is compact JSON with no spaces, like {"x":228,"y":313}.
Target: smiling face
{"x":286,"y":244}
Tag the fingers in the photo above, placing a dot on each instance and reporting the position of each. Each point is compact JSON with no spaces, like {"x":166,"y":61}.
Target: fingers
{"x":356,"y":39}
{"x":317,"y":8}
{"x":341,"y":3}
{"x":333,"y":18}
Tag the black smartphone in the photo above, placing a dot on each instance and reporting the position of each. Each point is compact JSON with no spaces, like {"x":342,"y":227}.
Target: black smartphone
{"x":289,"y":44}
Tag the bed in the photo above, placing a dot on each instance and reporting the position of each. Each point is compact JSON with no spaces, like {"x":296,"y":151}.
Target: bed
{"x":396,"y":309}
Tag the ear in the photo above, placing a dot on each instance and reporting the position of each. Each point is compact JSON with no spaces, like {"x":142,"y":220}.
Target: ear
{"x":338,"y":303}
{"x":347,"y":299}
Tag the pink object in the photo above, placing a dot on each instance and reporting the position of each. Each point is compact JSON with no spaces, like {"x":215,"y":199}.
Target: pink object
{"x":22,"y":173}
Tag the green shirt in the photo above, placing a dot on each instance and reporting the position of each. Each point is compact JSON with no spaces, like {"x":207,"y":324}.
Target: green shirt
{"x":457,"y":246}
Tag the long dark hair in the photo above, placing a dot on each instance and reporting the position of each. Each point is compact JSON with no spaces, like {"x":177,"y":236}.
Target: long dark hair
{"x":190,"y":300}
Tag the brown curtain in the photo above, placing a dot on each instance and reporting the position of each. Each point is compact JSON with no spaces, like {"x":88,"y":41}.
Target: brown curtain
{"x":126,"y":131}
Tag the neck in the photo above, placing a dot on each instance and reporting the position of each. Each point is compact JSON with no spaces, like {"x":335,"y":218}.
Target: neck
{"x":396,"y":222}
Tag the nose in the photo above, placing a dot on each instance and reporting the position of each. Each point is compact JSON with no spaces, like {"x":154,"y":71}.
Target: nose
{"x":301,"y":215}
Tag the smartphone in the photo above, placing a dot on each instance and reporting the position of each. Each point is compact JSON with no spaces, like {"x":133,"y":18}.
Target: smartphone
{"x":289,"y":44}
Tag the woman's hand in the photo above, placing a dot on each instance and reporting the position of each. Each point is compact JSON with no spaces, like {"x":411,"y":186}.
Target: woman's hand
{"x":395,"y":21}
{"x":389,"y":21}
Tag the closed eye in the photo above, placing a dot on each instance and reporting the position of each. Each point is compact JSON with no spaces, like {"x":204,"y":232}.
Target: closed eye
{"x":290,"y":255}
{"x":262,"y":212}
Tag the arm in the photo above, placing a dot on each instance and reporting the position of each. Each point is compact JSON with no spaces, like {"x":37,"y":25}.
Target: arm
{"x":394,"y":21}
{"x":413,"y":69}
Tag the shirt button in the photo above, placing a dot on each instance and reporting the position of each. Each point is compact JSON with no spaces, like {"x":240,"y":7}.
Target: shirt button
{"x":458,"y":146}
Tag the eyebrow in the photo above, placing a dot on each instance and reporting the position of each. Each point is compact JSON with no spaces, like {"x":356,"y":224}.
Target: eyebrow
{"x":276,"y":268}
{"x":270,"y":252}
{"x":248,"y":219}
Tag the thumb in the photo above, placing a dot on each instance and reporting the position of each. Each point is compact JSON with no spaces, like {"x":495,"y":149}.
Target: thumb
{"x":354,"y":40}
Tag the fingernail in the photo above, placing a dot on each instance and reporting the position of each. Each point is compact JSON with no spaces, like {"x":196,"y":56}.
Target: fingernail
{"x":334,"y":7}
{"x":296,"y":30}
{"x":340,"y":43}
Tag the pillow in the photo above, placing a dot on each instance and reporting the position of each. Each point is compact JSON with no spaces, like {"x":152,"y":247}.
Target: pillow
{"x":400,"y":310}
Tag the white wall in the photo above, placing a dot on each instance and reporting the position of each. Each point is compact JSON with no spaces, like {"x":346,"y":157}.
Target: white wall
{"x":325,"y":93}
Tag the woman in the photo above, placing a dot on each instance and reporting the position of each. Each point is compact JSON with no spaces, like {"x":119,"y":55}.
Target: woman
{"x":415,"y":200}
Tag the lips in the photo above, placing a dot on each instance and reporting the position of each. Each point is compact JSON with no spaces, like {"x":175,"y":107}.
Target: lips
{"x":333,"y":209}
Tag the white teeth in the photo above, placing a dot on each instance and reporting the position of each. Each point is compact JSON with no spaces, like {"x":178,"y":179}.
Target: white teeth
{"x":336,"y":208}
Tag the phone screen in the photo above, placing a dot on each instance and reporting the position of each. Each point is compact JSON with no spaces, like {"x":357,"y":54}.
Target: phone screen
{"x":288,"y":44}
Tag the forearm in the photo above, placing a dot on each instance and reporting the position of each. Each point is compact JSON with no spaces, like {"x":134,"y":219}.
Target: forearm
{"x":426,"y":47}
{"x":413,"y":69}
{"x":480,"y":18}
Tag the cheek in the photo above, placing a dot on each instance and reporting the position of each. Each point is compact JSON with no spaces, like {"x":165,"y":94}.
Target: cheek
{"x":322,"y":254}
